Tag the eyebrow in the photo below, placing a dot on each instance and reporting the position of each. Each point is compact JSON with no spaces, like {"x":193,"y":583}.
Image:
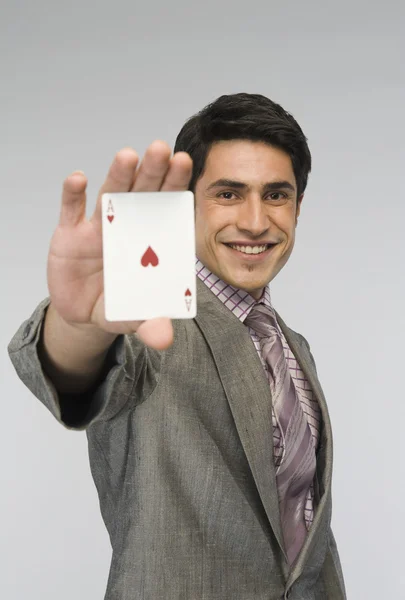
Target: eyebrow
{"x":272,"y":186}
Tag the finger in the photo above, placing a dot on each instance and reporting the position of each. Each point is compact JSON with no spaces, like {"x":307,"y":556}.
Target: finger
{"x":73,"y":208}
{"x":153,"y":168}
{"x":179,"y":174}
{"x":156,"y":333}
{"x":119,"y":178}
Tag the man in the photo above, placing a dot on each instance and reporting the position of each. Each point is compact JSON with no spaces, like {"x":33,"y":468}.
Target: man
{"x":209,"y":439}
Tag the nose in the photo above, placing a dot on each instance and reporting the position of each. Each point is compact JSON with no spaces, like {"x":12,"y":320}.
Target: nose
{"x":253,"y":217}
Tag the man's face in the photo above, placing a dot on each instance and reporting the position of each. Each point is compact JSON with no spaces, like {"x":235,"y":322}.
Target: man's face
{"x":247,"y":196}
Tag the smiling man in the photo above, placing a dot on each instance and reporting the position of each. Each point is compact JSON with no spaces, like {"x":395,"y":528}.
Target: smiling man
{"x":210,"y":442}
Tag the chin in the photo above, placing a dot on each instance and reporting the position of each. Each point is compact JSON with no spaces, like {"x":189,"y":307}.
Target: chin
{"x":252,"y":287}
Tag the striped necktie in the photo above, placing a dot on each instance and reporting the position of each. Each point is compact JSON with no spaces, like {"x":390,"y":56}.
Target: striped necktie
{"x":297,"y":467}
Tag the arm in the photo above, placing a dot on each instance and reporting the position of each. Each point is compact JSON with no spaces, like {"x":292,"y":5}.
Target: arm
{"x":128,"y":372}
{"x":72,"y":356}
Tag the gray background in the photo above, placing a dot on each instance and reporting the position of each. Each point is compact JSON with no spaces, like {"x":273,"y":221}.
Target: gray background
{"x":78,"y":82}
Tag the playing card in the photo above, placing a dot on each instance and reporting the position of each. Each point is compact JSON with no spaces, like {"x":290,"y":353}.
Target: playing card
{"x":149,"y":255}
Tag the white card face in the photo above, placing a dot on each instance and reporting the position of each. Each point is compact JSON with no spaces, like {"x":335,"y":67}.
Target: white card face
{"x":149,"y":255}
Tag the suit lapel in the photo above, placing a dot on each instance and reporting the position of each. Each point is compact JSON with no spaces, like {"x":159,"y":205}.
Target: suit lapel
{"x":248,"y":393}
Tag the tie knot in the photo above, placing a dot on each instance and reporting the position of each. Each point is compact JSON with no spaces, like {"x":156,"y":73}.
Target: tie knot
{"x":262,"y":320}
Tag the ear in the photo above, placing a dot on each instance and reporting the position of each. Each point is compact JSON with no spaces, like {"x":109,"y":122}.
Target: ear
{"x":297,"y":212}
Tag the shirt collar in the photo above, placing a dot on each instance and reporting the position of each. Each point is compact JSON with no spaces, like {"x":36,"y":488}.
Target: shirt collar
{"x":238,"y":301}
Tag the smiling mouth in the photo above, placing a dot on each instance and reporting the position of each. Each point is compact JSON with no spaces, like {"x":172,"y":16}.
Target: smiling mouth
{"x":258,"y":250}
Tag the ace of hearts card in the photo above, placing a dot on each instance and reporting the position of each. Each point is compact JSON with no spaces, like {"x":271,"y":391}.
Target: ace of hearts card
{"x":149,"y":255}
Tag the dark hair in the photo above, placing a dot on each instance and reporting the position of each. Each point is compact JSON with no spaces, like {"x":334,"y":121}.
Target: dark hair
{"x":245,"y":117}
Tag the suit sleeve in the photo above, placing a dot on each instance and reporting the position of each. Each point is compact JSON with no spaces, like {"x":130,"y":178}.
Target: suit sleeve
{"x":130,"y":374}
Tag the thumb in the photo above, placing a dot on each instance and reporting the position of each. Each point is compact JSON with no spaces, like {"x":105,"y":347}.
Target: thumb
{"x":156,"y":333}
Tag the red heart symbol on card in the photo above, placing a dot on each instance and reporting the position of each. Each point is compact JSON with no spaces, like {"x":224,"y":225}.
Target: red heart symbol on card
{"x":110,"y":218}
{"x":149,"y":258}
{"x":188,"y":293}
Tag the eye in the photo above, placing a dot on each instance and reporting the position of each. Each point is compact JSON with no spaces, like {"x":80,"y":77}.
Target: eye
{"x":223,"y":194}
{"x":277,"y":194}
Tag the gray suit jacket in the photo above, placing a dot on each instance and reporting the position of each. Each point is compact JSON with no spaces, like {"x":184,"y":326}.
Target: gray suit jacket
{"x":181,"y":452}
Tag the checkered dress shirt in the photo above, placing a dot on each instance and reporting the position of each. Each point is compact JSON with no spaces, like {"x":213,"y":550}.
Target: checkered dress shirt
{"x":240,"y":303}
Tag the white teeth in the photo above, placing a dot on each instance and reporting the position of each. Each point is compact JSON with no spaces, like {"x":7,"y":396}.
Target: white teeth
{"x":250,"y":249}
